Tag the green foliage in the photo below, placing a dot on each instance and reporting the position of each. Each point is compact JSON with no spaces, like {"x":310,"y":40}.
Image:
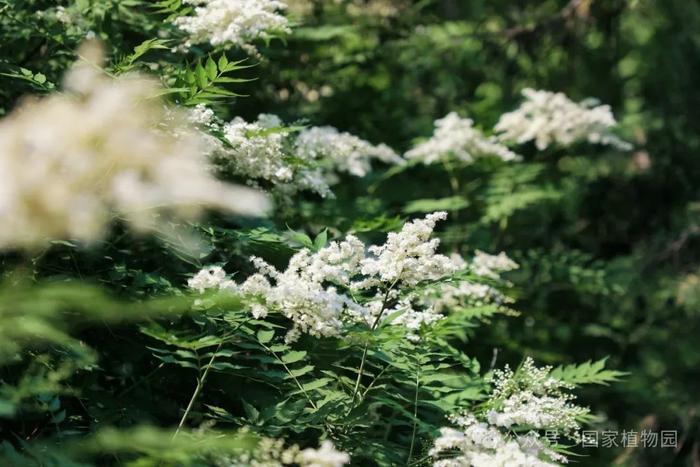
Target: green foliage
{"x":201,"y":83}
{"x":586,"y":373}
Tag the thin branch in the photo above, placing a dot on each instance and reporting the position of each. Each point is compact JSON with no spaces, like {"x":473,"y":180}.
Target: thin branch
{"x":374,"y":326}
{"x":301,"y":388}
{"x":415,"y":417}
{"x":200,"y":384}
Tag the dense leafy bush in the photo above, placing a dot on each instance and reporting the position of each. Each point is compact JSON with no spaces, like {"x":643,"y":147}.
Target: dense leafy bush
{"x":256,"y":232}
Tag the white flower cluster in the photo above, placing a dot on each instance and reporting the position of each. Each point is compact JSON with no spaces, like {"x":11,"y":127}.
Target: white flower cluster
{"x":236,"y":22}
{"x":450,"y":296}
{"x":325,"y":456}
{"x":491,"y":266}
{"x":266,"y":150}
{"x":456,"y":137}
{"x":273,"y":453}
{"x":547,"y":118}
{"x":259,"y":150}
{"x":344,"y":152}
{"x":71,"y":161}
{"x":63,"y":15}
{"x":201,"y":115}
{"x":532,"y":398}
{"x":529,"y":399}
{"x":478,"y":444}
{"x":211,"y":277}
{"x":316,"y":290}
{"x":301,"y":294}
{"x":408,"y":256}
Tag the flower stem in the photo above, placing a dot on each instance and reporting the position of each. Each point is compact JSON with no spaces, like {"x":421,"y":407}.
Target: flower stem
{"x":200,"y":384}
{"x":415,"y":417}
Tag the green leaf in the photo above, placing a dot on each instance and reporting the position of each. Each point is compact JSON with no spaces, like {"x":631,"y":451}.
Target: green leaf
{"x":201,"y":76}
{"x":223,"y":62}
{"x":7,"y":408}
{"x":294,"y":356}
{"x":212,"y":71}
{"x":265,"y":336}
{"x":453,"y":203}
{"x":251,"y":412}
{"x":321,"y":240}
{"x":297,"y":372}
{"x":301,"y":238}
{"x":316,"y":384}
{"x":587,"y":373}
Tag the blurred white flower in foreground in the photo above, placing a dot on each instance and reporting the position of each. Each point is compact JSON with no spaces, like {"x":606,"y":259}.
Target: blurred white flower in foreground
{"x":271,"y":452}
{"x":71,"y":161}
{"x":547,"y":118}
{"x":237,"y":22}
{"x":325,"y":456}
{"x":456,"y":137}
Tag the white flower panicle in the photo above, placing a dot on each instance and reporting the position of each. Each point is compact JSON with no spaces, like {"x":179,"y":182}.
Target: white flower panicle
{"x":491,"y":266}
{"x":552,"y":118}
{"x":271,"y":452}
{"x":532,"y":398}
{"x":266,"y":150}
{"x":408,"y":256}
{"x":301,"y":294}
{"x":259,"y":150}
{"x":528,"y":399}
{"x":325,"y":456}
{"x":71,"y":161}
{"x":343,"y":152}
{"x":478,"y":444}
{"x":455,"y":296}
{"x":347,"y":282}
{"x":212,"y":277}
{"x":414,"y":317}
{"x":455,"y":137}
{"x":63,"y":15}
{"x":316,"y":289}
{"x":460,"y":294}
{"x":201,"y":115}
{"x":235,"y":22}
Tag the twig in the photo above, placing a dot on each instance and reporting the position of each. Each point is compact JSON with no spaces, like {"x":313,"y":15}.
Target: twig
{"x":374,"y":326}
{"x":200,"y":384}
{"x":415,"y":417}
{"x":301,"y":388}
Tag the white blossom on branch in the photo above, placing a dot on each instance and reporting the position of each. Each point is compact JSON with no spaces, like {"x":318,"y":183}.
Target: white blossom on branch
{"x":235,"y":22}
{"x":552,"y":118}
{"x":455,"y":137}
